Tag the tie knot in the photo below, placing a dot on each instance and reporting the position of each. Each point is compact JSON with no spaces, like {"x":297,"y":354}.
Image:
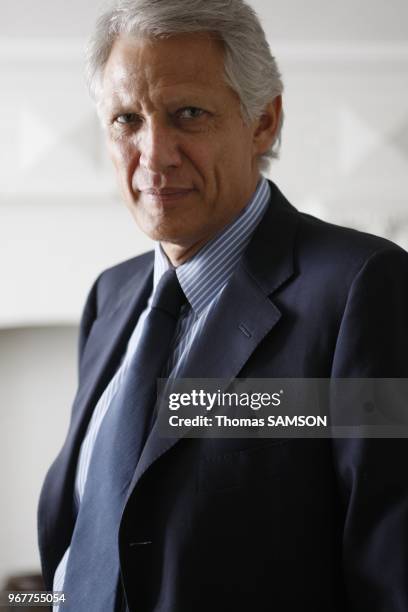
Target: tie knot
{"x":169,"y":295}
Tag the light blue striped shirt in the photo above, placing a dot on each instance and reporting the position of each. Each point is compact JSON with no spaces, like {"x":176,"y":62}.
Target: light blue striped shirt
{"x":202,"y":278}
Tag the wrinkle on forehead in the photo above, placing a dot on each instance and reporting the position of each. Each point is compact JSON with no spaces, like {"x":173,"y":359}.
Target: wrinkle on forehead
{"x":135,"y":65}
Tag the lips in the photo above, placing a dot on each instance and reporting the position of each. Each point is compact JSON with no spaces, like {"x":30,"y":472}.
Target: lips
{"x":169,"y":191}
{"x":168,"y":196}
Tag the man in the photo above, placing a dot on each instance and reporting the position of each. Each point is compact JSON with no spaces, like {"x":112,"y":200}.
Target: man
{"x":190,"y":99}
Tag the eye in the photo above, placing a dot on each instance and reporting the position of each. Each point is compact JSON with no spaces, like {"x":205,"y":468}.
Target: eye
{"x":126,"y":118}
{"x":191,"y":112}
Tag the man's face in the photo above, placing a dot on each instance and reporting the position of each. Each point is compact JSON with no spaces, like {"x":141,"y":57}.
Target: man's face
{"x":185,"y":159}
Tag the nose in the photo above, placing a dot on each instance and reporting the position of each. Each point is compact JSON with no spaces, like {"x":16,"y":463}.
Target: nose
{"x":158,"y":146}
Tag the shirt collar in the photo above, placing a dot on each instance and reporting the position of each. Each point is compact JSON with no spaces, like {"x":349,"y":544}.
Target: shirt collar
{"x":204,"y":275}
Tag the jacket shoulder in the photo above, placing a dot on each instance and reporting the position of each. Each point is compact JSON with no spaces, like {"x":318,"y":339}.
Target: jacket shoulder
{"x":341,"y":250}
{"x":326,"y":244}
{"x":112,"y":280}
{"x":110,"y":283}
{"x":107,"y":287}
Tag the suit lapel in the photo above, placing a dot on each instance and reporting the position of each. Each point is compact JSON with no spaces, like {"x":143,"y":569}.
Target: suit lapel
{"x":244,"y":314}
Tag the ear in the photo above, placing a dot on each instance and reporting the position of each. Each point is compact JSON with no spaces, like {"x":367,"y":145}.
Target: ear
{"x":266,"y":126}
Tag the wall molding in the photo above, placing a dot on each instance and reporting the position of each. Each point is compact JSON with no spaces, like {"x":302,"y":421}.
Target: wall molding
{"x":342,"y":52}
{"x":50,"y":50}
{"x":73,"y":49}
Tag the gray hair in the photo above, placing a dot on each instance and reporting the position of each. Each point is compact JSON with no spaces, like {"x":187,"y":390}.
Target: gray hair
{"x":250,"y":68}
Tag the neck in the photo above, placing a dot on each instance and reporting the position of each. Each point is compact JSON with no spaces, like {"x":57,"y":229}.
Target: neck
{"x":179,"y":254}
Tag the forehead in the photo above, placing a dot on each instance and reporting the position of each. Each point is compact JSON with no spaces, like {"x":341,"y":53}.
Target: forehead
{"x":184,"y":61}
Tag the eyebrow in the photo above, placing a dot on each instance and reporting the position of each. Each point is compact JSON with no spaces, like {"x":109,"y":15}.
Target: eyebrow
{"x":172,"y":103}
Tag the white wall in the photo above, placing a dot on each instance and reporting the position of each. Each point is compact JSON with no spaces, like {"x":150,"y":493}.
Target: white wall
{"x":344,"y":157}
{"x":37,"y":378}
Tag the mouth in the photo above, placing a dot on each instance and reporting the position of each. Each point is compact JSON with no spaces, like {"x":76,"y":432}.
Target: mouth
{"x":168,"y":194}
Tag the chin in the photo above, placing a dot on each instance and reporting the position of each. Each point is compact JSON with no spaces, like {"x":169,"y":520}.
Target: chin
{"x":159,"y":232}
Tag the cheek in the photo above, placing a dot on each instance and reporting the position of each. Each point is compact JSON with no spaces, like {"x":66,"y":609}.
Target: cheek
{"x":208,"y":159}
{"x":120,"y":154}
{"x":114,"y":151}
{"x":234,"y":149}
{"x":124,"y":159}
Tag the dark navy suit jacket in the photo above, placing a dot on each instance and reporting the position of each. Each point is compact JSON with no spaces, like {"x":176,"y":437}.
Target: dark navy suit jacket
{"x":252,"y":524}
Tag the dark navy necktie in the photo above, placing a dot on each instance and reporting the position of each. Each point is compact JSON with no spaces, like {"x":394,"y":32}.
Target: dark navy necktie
{"x":93,"y":566}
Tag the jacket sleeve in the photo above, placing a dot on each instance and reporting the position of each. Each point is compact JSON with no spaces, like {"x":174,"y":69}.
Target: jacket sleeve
{"x":373,"y":473}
